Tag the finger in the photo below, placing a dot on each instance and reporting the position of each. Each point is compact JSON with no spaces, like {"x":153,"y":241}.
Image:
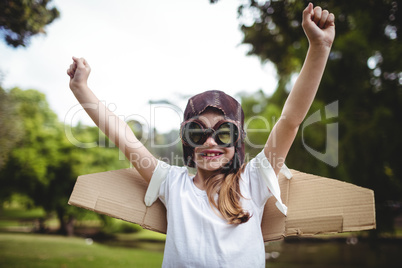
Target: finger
{"x":330,"y":20}
{"x":85,"y":63}
{"x":308,"y":12}
{"x":317,"y":15}
{"x":324,"y":17}
{"x":80,"y":63}
{"x":73,"y":67}
{"x":70,"y":73}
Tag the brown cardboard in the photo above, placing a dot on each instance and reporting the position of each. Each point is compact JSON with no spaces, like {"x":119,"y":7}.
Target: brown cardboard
{"x":316,"y":205}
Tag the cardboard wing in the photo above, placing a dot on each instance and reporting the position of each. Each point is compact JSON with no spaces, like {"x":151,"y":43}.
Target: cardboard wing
{"x":316,"y":205}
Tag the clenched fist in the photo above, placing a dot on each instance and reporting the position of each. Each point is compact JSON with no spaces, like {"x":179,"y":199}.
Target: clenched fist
{"x":79,"y":71}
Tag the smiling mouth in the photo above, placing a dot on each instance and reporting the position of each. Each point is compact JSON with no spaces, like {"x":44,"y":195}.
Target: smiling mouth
{"x":211,"y":154}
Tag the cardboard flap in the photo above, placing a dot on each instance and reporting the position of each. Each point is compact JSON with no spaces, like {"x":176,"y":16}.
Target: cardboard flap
{"x":320,"y":205}
{"x":273,"y":221}
{"x":314,"y":225}
{"x":155,"y":218}
{"x":119,"y":194}
{"x":316,"y":204}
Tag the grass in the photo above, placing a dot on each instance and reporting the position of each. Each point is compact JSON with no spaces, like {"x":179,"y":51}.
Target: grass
{"x":33,"y":250}
{"x":39,"y":250}
{"x":142,"y":235}
{"x":145,"y":248}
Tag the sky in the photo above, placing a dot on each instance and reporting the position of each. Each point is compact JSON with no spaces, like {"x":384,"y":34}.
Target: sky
{"x":139,"y":51}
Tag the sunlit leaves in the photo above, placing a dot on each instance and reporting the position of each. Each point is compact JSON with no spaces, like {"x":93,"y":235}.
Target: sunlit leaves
{"x":22,"y":19}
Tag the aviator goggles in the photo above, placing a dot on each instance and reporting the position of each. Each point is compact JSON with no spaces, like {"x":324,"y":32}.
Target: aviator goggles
{"x":225,"y":133}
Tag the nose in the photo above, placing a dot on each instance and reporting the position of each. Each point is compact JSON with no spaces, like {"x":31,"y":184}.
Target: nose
{"x":210,"y":142}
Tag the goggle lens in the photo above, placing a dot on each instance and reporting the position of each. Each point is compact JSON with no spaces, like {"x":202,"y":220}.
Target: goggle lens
{"x":225,"y":134}
{"x":195,"y":132}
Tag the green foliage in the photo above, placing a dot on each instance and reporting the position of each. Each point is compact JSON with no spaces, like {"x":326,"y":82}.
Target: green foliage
{"x":114,"y":226}
{"x":167,"y":147}
{"x":260,"y":117}
{"x":364,"y":74}
{"x":43,"y":165}
{"x":22,"y":19}
{"x":21,"y":214}
{"x":30,"y":158}
{"x":10,"y":126}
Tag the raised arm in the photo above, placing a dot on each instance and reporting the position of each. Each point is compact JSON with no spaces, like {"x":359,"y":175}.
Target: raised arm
{"x":114,"y":128}
{"x":319,"y":28}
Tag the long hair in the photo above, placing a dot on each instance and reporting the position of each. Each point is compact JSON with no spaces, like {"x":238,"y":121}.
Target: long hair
{"x":226,"y":184}
{"x":223,"y":191}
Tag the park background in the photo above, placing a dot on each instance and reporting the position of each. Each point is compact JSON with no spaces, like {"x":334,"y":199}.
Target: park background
{"x":147,"y":59}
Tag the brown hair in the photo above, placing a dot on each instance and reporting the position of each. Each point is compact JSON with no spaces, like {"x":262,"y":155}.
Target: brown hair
{"x":226,"y":184}
{"x":227,"y":187}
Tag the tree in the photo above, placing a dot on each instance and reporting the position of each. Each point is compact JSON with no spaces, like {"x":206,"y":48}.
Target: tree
{"x":10,"y":126}
{"x":78,"y":160}
{"x":28,"y":158}
{"x":22,"y":19}
{"x":34,"y":161}
{"x":364,"y":75}
{"x":44,"y":165}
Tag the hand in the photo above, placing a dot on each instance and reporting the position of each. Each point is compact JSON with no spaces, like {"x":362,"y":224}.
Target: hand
{"x":319,"y":26}
{"x":79,"y":71}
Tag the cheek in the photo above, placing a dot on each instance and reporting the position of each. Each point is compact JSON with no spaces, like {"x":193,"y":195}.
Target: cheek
{"x":195,"y":153}
{"x":230,"y":152}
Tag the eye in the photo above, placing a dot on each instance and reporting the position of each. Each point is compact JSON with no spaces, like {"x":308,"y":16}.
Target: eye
{"x":227,"y":133}
{"x":195,"y":132}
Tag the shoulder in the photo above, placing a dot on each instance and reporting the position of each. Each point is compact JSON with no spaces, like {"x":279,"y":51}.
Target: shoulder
{"x":176,"y":171}
{"x":253,"y":179}
{"x":164,"y":176}
{"x":254,"y":168}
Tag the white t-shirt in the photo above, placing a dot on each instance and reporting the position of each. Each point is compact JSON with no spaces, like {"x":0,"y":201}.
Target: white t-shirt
{"x":196,"y":235}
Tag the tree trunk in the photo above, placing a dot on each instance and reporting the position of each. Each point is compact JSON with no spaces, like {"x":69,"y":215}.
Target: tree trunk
{"x":66,"y":226}
{"x":70,"y":226}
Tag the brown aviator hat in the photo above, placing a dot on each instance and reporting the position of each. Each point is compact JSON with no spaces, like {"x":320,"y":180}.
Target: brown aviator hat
{"x":230,"y":108}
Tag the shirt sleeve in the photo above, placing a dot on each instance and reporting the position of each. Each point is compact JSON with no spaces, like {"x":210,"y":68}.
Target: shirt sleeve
{"x":263,"y":179}
{"x":258,"y":190}
{"x":158,"y":177}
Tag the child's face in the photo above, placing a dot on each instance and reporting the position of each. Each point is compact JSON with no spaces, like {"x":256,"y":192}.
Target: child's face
{"x":210,"y":156}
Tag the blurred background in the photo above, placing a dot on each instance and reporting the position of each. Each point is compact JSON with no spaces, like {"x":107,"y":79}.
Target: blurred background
{"x":147,"y":59}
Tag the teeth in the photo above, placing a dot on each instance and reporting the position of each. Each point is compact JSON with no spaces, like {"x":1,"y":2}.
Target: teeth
{"x":211,"y":154}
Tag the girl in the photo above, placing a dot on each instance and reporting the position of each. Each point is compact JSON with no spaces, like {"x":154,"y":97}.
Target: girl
{"x":214,"y":217}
